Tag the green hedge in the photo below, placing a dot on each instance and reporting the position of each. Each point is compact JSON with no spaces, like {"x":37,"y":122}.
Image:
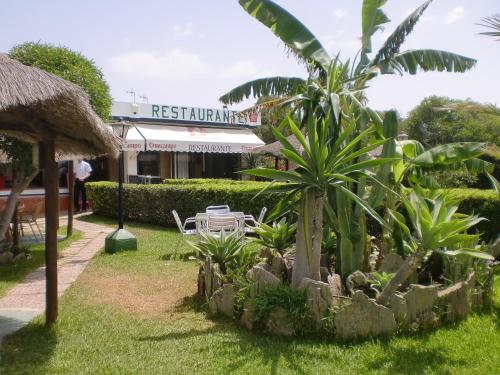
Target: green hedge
{"x":485,"y":203}
{"x":154,"y":203}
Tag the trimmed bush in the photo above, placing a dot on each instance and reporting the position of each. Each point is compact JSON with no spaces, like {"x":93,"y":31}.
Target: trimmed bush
{"x":154,"y":203}
{"x":485,"y":203}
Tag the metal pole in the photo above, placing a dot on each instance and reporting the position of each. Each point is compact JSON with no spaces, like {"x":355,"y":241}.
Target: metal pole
{"x":120,"y":190}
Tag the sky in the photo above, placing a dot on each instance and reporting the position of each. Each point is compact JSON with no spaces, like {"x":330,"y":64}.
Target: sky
{"x":191,"y":52}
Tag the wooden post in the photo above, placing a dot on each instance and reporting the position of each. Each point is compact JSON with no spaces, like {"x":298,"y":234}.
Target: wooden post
{"x":51,"y":225}
{"x":71,"y":195}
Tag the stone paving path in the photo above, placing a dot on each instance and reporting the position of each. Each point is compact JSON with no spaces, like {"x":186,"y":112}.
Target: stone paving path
{"x":27,"y":299}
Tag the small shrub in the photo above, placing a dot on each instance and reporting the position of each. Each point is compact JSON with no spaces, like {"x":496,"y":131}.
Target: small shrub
{"x":293,"y":301}
{"x":280,"y":236}
{"x":221,"y":249}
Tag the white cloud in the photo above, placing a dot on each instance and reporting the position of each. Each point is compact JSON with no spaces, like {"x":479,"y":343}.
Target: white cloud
{"x":341,"y":14}
{"x":244,"y":69}
{"x":169,"y":65}
{"x":183,"y":30}
{"x":454,"y":15}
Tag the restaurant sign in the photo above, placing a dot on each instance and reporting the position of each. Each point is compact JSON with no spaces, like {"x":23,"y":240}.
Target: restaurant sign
{"x":183,"y":115}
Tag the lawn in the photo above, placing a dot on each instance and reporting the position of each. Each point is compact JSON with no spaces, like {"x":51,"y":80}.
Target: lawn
{"x":11,"y":274}
{"x":134,"y":313}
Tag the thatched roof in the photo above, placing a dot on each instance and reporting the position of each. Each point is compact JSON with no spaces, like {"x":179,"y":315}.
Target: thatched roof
{"x":275,"y":147}
{"x":35,"y":105}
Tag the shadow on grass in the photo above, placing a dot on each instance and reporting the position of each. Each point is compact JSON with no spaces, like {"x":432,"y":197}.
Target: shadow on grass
{"x":28,"y":349}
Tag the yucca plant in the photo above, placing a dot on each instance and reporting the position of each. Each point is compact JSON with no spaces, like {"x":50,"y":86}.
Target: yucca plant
{"x":222,"y":249}
{"x":436,"y":226}
{"x":279,"y":236}
{"x":325,"y":163}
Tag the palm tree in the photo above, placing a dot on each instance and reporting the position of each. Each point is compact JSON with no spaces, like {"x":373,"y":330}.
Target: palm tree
{"x":338,"y":87}
{"x":493,"y":23}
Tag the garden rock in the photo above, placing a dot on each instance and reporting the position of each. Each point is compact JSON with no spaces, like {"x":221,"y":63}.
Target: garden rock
{"x":261,"y":279}
{"x":325,"y":274}
{"x":278,"y":267}
{"x":246,"y":318}
{"x":289,"y":260}
{"x":335,"y":283}
{"x":357,"y":280}
{"x":416,"y":305}
{"x":391,"y":263}
{"x":6,"y":257}
{"x":209,"y":278}
{"x":20,"y":257}
{"x":454,"y":300}
{"x":278,"y":323}
{"x":399,"y":308}
{"x":222,"y":301}
{"x":363,"y":318}
{"x":320,"y":297}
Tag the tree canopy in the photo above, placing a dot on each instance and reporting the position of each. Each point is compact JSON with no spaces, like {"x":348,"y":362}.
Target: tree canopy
{"x":439,"y":120}
{"x":70,"y":65}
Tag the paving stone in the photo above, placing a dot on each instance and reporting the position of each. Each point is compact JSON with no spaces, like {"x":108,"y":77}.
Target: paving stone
{"x":27,"y":299}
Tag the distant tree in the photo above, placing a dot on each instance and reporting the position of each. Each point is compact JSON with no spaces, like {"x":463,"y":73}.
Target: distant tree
{"x":271,"y":117}
{"x":70,"y":65}
{"x":439,"y":120}
{"x":67,"y":64}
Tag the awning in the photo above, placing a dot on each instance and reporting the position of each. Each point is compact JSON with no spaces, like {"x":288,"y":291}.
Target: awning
{"x":142,"y":137}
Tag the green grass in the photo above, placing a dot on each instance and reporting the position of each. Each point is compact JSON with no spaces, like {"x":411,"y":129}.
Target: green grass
{"x":12,"y":274}
{"x":146,"y":321}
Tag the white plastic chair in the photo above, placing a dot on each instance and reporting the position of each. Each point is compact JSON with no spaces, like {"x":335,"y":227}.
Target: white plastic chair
{"x":218,"y":210}
{"x":262,"y":214}
{"x":250,"y":221}
{"x":183,"y":228}
{"x":218,"y":222}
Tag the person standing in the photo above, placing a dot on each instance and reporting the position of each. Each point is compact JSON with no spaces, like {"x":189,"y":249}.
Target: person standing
{"x":82,"y":172}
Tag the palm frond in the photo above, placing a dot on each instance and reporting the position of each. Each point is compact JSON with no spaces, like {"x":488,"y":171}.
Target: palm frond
{"x":492,"y":22}
{"x":271,"y":86}
{"x":427,"y":60}
{"x":373,"y":17}
{"x":396,"y":39}
{"x":289,"y":29}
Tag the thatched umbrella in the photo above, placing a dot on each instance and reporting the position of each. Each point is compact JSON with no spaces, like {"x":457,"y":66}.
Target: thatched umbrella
{"x":41,"y":108}
{"x":275,"y":149}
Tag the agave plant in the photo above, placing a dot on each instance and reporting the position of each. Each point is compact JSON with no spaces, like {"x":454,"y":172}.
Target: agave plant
{"x":279,"y":236}
{"x":436,"y":227}
{"x":222,"y":249}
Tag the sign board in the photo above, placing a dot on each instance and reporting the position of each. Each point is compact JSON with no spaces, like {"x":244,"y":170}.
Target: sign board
{"x":183,"y":115}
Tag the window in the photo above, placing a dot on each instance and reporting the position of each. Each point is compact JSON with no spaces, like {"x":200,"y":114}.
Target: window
{"x":148,"y":163}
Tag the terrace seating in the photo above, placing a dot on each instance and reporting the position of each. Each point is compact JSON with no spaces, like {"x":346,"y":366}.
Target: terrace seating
{"x":218,"y":222}
{"x":183,"y":228}
{"x":217,"y":210}
{"x":30,"y":219}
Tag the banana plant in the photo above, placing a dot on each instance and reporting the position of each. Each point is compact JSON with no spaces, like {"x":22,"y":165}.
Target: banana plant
{"x":436,"y":226}
{"x":334,"y":87}
{"x":323,"y":163}
{"x":413,"y":164}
